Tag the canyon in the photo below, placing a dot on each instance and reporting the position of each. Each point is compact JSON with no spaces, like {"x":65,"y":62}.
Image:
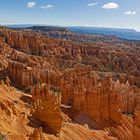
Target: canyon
{"x":61,"y":85}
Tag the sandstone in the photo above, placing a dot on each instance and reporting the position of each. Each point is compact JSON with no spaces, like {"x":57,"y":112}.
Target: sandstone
{"x":37,"y":135}
{"x":46,"y":107}
{"x":95,"y":84}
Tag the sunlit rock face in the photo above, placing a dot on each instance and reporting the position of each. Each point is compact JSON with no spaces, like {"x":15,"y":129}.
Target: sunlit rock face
{"x":40,"y":53}
{"x":101,"y":100}
{"x":93,"y":84}
{"x":46,"y":107}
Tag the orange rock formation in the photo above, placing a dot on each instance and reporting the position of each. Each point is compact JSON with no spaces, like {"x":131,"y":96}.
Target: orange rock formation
{"x":46,"y":107}
{"x":98,"y":80}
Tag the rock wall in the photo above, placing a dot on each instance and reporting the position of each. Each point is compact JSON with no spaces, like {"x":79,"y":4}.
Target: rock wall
{"x":101,"y":99}
{"x":24,"y":76}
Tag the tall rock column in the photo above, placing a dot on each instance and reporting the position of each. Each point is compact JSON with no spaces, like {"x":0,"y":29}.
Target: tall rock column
{"x":46,"y":107}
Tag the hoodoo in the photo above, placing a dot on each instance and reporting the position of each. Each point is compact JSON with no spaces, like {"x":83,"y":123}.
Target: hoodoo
{"x":60,"y":85}
{"x":46,"y":107}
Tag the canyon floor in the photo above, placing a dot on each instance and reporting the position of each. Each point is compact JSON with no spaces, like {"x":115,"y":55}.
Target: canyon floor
{"x":60,"y":85}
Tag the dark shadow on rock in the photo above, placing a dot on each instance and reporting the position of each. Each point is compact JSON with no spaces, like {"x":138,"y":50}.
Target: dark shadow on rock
{"x":26,"y":99}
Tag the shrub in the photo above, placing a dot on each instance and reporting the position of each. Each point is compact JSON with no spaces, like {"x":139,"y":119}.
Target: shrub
{"x":54,"y":89}
{"x":1,"y":137}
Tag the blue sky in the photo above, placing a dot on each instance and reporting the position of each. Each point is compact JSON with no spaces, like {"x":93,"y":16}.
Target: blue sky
{"x":102,"y":13}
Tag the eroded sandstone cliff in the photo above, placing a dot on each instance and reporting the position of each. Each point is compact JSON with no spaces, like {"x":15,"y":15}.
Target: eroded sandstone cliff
{"x":80,"y":91}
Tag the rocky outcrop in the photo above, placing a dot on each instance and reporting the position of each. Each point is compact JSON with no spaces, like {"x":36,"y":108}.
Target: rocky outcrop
{"x":8,"y":108}
{"x":39,"y":53}
{"x":103,"y":100}
{"x":78,"y":86}
{"x":37,"y":135}
{"x":101,"y":58}
{"x":23,"y":75}
{"x":79,"y":132}
{"x":96,"y":79}
{"x":46,"y":107}
{"x":124,"y":130}
{"x":13,"y":119}
{"x":136,"y":128}
{"x":100,"y":99}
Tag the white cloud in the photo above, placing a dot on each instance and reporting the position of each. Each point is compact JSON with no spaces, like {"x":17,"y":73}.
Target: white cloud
{"x":92,"y":4}
{"x":137,"y":29}
{"x":130,"y":13}
{"x":110,"y":5}
{"x":48,"y":6}
{"x":31,"y":4}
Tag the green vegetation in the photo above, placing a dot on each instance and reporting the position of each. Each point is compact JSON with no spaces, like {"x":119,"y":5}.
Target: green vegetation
{"x":55,"y":89}
{"x":28,"y":89}
{"x":1,"y":137}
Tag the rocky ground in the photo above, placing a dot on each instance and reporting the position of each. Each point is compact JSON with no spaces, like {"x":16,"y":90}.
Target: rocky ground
{"x":62,"y":89}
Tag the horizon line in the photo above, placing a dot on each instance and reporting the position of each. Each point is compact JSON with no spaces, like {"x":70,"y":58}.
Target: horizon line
{"x":89,"y":26}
